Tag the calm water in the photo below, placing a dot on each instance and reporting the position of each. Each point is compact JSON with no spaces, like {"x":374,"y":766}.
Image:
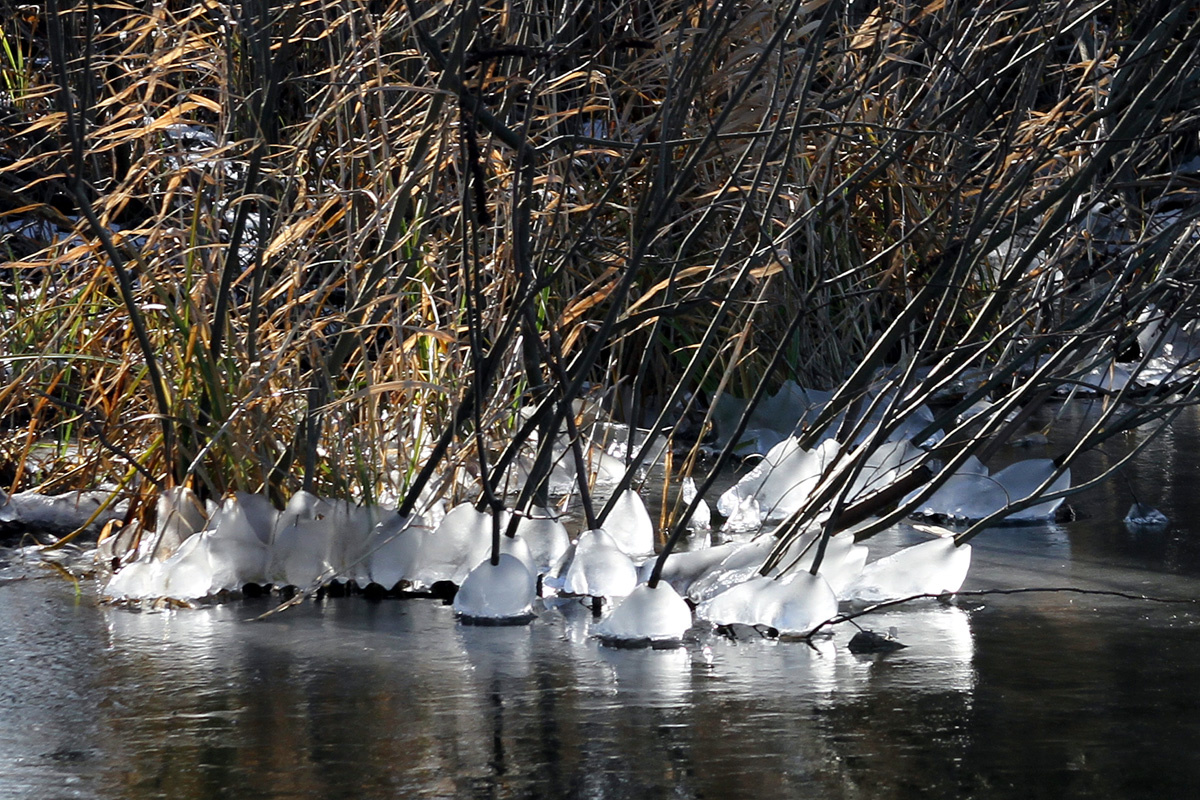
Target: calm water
{"x":1039,"y":695}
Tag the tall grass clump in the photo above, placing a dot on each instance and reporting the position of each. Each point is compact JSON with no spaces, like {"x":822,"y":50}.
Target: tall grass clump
{"x":360,"y":248}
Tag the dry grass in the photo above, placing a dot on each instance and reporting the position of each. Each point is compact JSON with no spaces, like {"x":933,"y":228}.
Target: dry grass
{"x":323,"y":230}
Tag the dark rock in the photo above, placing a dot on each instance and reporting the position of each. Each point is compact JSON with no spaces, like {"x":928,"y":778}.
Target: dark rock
{"x":871,"y":642}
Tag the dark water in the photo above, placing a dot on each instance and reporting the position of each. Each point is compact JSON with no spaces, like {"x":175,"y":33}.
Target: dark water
{"x":1036,"y":695}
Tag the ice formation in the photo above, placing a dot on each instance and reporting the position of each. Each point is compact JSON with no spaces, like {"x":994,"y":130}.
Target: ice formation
{"x":840,"y":566}
{"x":502,"y":591}
{"x":683,"y":568}
{"x":743,"y":561}
{"x":972,"y":494}
{"x":462,"y":540}
{"x":654,"y":615}
{"x":628,"y":523}
{"x":599,"y":568}
{"x":393,"y":546}
{"x":61,"y":513}
{"x":1144,"y":517}
{"x":931,"y":567}
{"x":782,"y":481}
{"x":702,"y":517}
{"x":546,"y":537}
{"x":795,"y":603}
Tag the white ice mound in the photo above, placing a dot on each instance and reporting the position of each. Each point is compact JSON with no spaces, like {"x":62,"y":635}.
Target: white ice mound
{"x":599,"y":568}
{"x":783,"y":480}
{"x":394,"y":545}
{"x":931,"y":567}
{"x":1022,"y":479}
{"x":179,"y":514}
{"x":795,"y":603}
{"x":737,"y":604}
{"x":973,"y":495}
{"x":462,"y":540}
{"x":628,"y":523}
{"x":236,"y":542}
{"x":546,"y":537}
{"x":840,"y":566}
{"x":505,"y":590}
{"x":702,"y":517}
{"x":188,"y":574}
{"x":744,"y":518}
{"x":303,"y":537}
{"x":884,"y":466}
{"x":656,"y":615}
{"x":348,"y":548}
{"x":139,"y":580}
{"x":1142,"y":516}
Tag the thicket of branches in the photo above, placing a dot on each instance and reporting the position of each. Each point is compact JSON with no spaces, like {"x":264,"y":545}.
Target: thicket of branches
{"x":322,"y":243}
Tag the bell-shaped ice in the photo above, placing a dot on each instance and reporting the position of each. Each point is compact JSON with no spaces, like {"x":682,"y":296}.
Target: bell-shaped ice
{"x":783,"y":480}
{"x":629,"y":524}
{"x":932,"y":567}
{"x":736,"y":496}
{"x":235,"y":543}
{"x":840,"y":566}
{"x":739,"y":604}
{"x":599,"y":568}
{"x":1144,"y":517}
{"x":505,"y":590}
{"x":655,"y":615}
{"x":746,"y":516}
{"x":139,"y":580}
{"x":796,"y":603}
{"x":1022,"y":479}
{"x":188,"y":574}
{"x":179,"y":514}
{"x":352,"y":525}
{"x":394,"y":546}
{"x":299,"y":554}
{"x":884,"y":466}
{"x":701,"y":519}
{"x":462,"y":540}
{"x":546,"y":537}
{"x":971,"y":494}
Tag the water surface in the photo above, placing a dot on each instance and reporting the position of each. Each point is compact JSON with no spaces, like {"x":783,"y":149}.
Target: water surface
{"x":1036,"y":695}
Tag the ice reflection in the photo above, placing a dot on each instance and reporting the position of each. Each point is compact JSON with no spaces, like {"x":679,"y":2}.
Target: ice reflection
{"x":939,"y":656}
{"x":650,"y":678}
{"x":498,"y":652}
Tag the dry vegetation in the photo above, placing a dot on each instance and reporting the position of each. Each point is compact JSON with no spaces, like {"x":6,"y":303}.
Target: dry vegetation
{"x":272,"y":245}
